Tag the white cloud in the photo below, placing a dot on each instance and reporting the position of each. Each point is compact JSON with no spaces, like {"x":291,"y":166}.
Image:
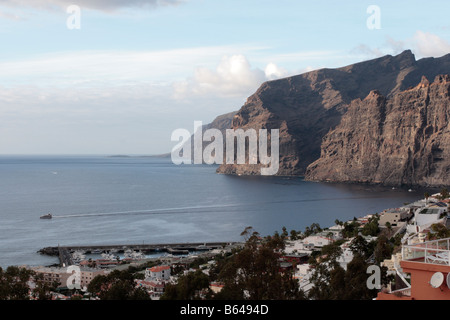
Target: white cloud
{"x":427,"y":44}
{"x":233,"y":76}
{"x":272,"y":71}
{"x":423,"y":44}
{"x":112,"y":67}
{"x":94,"y":102}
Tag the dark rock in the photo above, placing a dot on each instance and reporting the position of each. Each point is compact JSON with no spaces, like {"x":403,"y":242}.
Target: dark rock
{"x":306,"y":107}
{"x":400,"y":140}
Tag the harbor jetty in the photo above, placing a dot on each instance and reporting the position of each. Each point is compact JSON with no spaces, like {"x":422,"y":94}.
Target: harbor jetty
{"x":65,"y":252}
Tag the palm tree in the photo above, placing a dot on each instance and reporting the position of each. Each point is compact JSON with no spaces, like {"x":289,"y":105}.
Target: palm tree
{"x":427,"y":195}
{"x":389,"y":226}
{"x":444,"y":194}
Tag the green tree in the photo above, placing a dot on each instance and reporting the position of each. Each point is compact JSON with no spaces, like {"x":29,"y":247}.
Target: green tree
{"x":389,"y":226}
{"x":294,"y":235}
{"x":247,"y":233}
{"x":43,"y":290}
{"x":117,"y":285}
{"x":383,"y":249}
{"x":356,"y":280}
{"x":438,"y":231}
{"x":254,"y":272}
{"x":444,"y":194}
{"x":351,"y":229}
{"x":426,"y":195}
{"x":331,"y":252}
{"x":361,"y":247}
{"x":187,"y":287}
{"x":327,"y":276}
{"x":284,"y":233}
{"x":327,"y":281}
{"x":14,"y":283}
{"x":372,"y":227}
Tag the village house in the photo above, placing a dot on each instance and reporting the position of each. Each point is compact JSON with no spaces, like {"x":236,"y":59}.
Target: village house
{"x":158,"y":273}
{"x":298,"y":246}
{"x":394,"y":216}
{"x":364,"y":220}
{"x":430,"y":214}
{"x":216,"y":287}
{"x":297,"y":258}
{"x":154,"y":288}
{"x":347,"y":255}
{"x":318,"y":240}
{"x":336,"y":231}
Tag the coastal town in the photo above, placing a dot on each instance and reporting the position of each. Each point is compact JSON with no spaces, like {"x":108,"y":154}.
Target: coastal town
{"x":416,"y":234}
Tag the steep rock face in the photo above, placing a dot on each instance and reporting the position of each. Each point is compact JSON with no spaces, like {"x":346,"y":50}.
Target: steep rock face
{"x":305,"y":107}
{"x":221,"y":123}
{"x":400,"y":140}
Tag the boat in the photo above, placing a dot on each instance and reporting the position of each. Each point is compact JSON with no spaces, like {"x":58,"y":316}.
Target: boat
{"x":131,"y":254}
{"x":78,"y":256}
{"x":108,"y":256}
{"x":46,"y":216}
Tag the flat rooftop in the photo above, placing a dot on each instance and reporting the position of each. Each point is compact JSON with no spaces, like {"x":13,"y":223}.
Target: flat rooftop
{"x":430,"y":211}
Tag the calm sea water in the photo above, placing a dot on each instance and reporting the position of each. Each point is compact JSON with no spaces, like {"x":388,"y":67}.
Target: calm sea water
{"x":130,"y":200}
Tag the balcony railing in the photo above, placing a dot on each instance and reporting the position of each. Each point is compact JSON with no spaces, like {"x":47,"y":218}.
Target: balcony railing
{"x":434,"y":252}
{"x":405,"y":292}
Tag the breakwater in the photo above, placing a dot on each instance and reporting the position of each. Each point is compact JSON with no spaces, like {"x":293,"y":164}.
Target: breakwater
{"x":65,"y":252}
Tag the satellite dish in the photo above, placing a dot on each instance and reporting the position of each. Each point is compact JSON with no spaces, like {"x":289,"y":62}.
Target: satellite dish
{"x":437,"y":280}
{"x":448,"y":280}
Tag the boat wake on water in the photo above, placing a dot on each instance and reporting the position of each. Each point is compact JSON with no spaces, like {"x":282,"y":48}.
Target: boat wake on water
{"x":148,"y":211}
{"x":180,"y":210}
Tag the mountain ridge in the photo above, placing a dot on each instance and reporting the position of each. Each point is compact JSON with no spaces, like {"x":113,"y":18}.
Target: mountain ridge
{"x":306,"y":107}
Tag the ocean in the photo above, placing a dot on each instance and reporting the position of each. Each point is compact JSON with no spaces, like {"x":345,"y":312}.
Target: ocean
{"x":135,"y":200}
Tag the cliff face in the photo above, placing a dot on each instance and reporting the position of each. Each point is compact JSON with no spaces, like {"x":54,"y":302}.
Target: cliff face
{"x":222,"y":123}
{"x":305,"y":107}
{"x":400,"y":140}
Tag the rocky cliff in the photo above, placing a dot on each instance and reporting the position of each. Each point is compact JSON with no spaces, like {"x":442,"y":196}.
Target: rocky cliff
{"x":400,"y":140}
{"x":305,"y":107}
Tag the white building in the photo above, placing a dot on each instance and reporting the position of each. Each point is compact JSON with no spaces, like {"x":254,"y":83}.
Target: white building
{"x":312,"y":242}
{"x":336,"y":231}
{"x":318,"y":241}
{"x":298,"y":246}
{"x":158,"y":273}
{"x":429,"y":215}
{"x":303,"y":275}
{"x":345,"y":258}
{"x":154,"y":288}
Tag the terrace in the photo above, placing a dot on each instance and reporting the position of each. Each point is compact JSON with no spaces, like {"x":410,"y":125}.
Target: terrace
{"x":429,"y":252}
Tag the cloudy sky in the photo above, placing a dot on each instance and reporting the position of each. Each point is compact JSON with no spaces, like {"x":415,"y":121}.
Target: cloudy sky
{"x":118,"y":76}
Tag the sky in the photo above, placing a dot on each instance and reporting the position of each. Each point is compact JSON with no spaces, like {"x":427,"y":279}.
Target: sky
{"x":119,"y":76}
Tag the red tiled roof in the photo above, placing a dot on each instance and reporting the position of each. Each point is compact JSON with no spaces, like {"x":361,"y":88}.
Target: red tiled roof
{"x":159,"y":268}
{"x":217,"y":284}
